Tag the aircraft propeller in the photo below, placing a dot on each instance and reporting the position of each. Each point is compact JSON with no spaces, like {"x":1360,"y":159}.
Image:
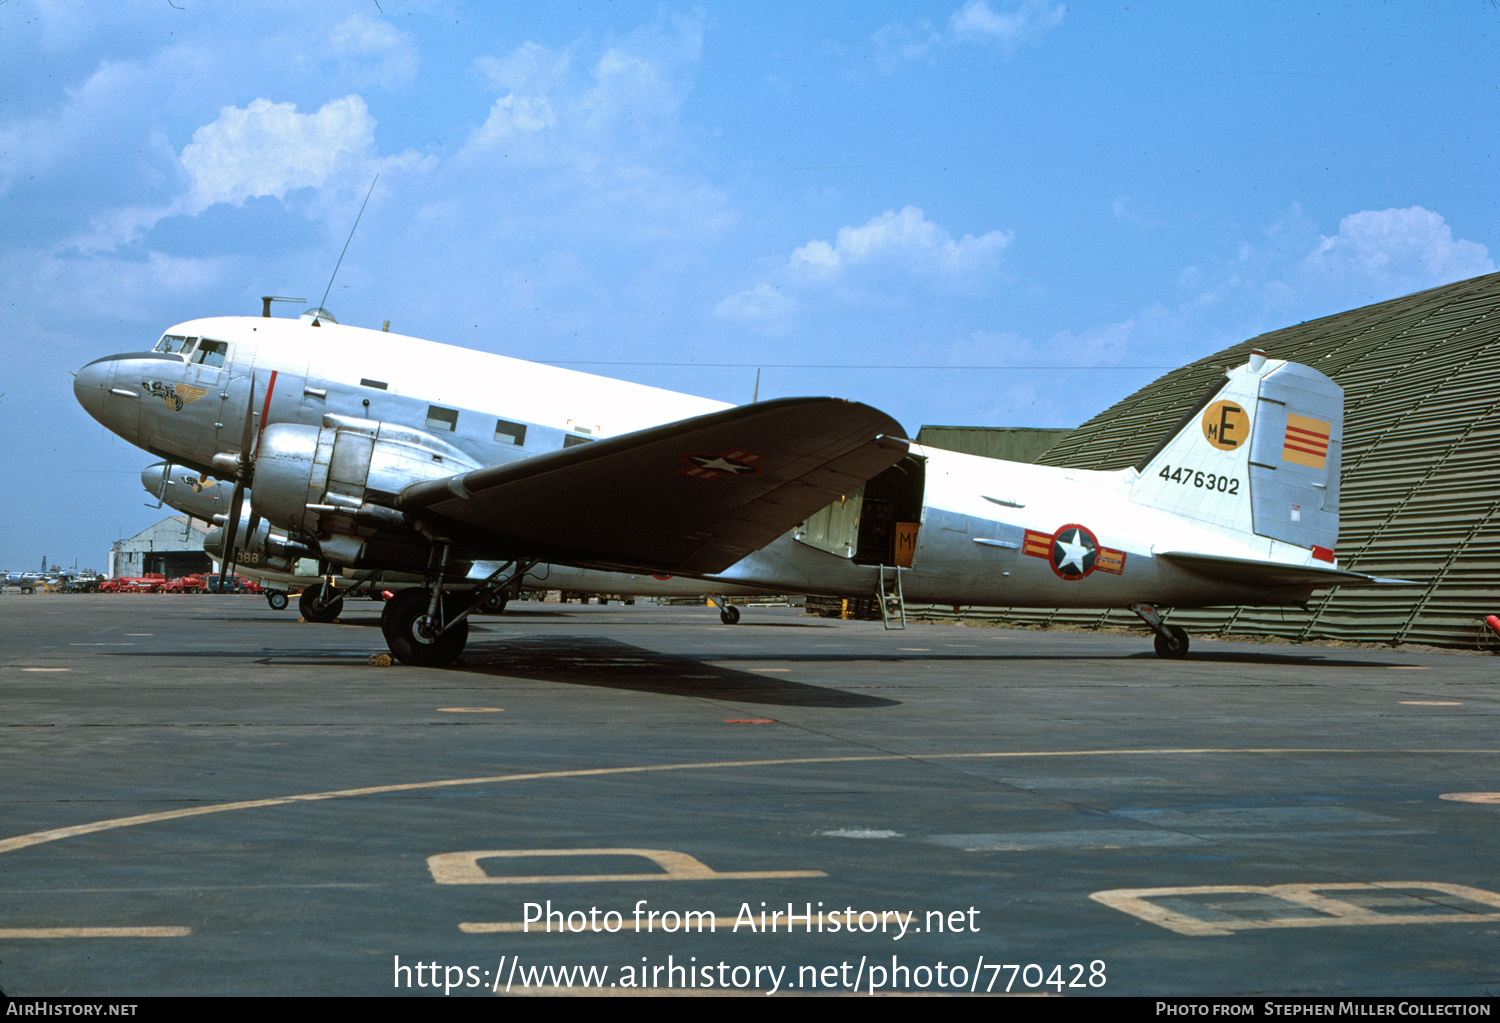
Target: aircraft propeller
{"x":242,"y":466}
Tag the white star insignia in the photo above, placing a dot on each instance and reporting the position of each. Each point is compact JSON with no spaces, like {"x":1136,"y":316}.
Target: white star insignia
{"x":1076,"y":552}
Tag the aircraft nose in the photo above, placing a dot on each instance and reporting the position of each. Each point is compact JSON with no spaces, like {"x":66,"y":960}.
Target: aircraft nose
{"x":153,"y":476}
{"x":91,"y":386}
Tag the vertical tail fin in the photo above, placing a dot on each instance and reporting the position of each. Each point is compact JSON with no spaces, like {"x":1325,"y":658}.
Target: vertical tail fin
{"x":1259,"y":454}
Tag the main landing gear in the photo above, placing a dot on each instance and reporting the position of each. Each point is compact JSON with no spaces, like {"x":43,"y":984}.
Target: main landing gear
{"x":321,"y":603}
{"x":429,"y":627}
{"x":1171,"y":641}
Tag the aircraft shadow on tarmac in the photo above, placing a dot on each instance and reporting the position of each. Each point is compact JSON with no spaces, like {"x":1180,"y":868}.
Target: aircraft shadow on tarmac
{"x":610,"y":664}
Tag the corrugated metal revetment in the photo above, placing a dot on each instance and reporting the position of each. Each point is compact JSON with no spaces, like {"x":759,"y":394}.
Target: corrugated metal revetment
{"x":1421,"y":491}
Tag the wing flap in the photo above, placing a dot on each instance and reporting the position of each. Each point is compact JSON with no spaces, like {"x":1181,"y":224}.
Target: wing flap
{"x":691,"y":497}
{"x":1272,"y":573}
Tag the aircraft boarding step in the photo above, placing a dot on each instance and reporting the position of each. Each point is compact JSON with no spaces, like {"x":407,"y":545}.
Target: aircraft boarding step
{"x":892,"y":603}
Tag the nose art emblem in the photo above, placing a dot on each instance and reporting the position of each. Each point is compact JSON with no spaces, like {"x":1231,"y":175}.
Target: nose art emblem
{"x":174,"y":396}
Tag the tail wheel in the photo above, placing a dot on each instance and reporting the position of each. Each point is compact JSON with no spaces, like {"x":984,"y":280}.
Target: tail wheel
{"x":410,"y":633}
{"x":729,"y":614}
{"x":1172,"y":643}
{"x":320,"y":603}
{"x":277,"y":600}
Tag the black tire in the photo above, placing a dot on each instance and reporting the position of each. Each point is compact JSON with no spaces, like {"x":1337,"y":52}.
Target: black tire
{"x":1174,"y":645}
{"x":315,"y":607}
{"x":277,"y":600}
{"x":496,"y":604}
{"x":402,"y":625}
{"x":729,"y":614}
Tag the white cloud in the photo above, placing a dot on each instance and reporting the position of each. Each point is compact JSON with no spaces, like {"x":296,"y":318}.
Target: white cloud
{"x":974,"y":22}
{"x":1129,"y":213}
{"x":876,"y":264}
{"x":760,"y":304}
{"x":1027,"y":23}
{"x":269,"y":149}
{"x":373,"y":52}
{"x":907,"y":239}
{"x":264,"y":149}
{"x":599,"y":142}
{"x":1402,"y":249}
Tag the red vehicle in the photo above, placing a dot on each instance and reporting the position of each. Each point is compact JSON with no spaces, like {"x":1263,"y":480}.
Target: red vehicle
{"x":186,"y":584}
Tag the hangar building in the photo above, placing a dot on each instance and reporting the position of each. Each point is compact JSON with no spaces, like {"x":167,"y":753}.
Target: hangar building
{"x":173,"y":547}
{"x":1421,"y":490}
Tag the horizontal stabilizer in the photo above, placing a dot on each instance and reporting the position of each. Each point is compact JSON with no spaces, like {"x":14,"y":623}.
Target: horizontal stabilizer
{"x":689,"y":498}
{"x":1273,"y":573}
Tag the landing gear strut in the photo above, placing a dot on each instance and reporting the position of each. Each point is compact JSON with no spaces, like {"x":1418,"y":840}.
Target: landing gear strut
{"x":321,"y":603}
{"x":1171,"y":641}
{"x":728,"y":613}
{"x":416,"y":637}
{"x":429,"y":627}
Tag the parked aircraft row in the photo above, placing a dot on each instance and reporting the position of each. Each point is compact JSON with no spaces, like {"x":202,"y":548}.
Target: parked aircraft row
{"x":371,"y":452}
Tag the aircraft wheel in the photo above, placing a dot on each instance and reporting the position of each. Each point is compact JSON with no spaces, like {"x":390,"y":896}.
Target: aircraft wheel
{"x":277,"y":600}
{"x":729,"y":614}
{"x":406,"y":630}
{"x":1173,"y":645}
{"x":314,"y":607}
{"x":496,"y":604}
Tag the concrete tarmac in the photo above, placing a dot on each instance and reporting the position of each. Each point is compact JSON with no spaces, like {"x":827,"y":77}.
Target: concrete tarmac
{"x":204,"y":796}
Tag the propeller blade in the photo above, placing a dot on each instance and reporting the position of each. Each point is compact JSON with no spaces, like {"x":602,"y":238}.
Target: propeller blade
{"x":237,"y":498}
{"x":231,"y":531}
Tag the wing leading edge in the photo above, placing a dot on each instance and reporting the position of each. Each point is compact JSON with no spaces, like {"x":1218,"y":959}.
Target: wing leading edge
{"x":691,"y":497}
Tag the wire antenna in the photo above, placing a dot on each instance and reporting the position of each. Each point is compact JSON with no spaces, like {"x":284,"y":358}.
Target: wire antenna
{"x":347,"y":241}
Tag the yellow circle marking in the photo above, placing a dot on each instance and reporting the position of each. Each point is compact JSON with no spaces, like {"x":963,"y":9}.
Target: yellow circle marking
{"x":57,"y":834}
{"x":1472,"y":797}
{"x":1226,"y":425}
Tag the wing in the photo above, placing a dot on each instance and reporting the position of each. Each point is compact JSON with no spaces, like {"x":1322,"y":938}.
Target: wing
{"x":1271,"y":573}
{"x":691,"y":497}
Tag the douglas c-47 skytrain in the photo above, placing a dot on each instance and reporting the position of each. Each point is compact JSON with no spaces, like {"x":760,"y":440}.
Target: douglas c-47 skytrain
{"x":370,"y":451}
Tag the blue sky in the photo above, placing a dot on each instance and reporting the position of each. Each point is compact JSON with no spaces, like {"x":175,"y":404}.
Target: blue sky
{"x":1071,"y":197}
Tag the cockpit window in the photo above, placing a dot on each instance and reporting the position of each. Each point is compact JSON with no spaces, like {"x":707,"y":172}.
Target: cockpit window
{"x":174,"y":343}
{"x":211,"y":353}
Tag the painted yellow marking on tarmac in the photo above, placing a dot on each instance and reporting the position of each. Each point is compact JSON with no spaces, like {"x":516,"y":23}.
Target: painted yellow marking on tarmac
{"x":29,"y":839}
{"x":46,"y":669}
{"x":464,"y":868}
{"x":1303,"y":905}
{"x":470,"y":710}
{"x":1431,"y":703}
{"x":1472,"y":797}
{"x":94,"y":932}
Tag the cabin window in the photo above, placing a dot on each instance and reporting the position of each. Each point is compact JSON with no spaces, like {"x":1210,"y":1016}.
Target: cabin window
{"x":514,"y":433}
{"x":379,"y":385}
{"x":211,"y":353}
{"x":439,"y":418}
{"x":572,"y":440}
{"x":173,"y":343}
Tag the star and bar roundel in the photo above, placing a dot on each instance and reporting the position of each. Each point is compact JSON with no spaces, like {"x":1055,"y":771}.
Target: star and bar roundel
{"x":1073,"y":552}
{"x":708,"y":466}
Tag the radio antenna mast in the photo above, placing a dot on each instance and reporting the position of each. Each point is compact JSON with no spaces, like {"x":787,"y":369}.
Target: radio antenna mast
{"x":347,"y":241}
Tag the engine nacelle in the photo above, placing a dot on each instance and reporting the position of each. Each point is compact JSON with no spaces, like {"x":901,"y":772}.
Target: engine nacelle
{"x":264,"y":549}
{"x":336,"y":482}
